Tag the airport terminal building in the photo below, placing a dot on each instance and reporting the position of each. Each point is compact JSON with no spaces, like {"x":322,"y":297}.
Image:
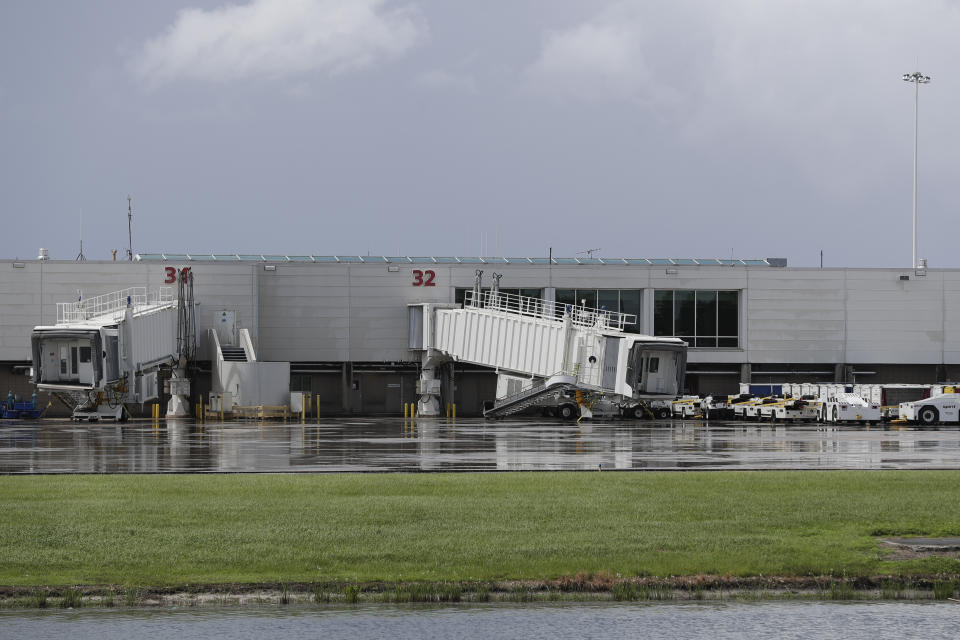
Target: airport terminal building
{"x":342,"y":321}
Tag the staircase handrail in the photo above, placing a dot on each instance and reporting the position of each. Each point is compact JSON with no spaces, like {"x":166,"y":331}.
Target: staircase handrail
{"x":218,"y":352}
{"x":247,"y":343}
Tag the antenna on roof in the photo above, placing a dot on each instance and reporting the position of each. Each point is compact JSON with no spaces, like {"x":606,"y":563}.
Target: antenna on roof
{"x":80,"y":257}
{"x":129,"y":228}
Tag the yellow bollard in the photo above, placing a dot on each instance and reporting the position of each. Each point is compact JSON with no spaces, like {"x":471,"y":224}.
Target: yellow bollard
{"x":448,"y":409}
{"x":454,"y":410}
{"x":317,"y":413}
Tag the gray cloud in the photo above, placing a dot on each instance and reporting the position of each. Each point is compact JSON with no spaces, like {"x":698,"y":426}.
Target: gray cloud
{"x":654,"y":127}
{"x":447,"y":80}
{"x":277,"y":38}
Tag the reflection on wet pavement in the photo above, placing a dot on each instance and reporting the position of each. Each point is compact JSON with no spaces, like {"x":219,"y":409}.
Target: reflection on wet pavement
{"x":396,"y":444}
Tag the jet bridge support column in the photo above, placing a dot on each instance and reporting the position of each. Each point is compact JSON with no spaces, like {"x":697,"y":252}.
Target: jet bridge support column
{"x":179,"y":405}
{"x":448,"y":385}
{"x":428,"y":387}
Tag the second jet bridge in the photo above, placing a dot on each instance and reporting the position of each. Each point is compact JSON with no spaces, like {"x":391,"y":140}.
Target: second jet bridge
{"x":584,"y":347}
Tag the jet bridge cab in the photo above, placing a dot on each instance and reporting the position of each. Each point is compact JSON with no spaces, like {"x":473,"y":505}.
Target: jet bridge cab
{"x":75,"y":358}
{"x":657,"y":369}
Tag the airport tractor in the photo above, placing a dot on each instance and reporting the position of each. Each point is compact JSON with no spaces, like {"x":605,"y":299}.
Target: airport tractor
{"x":849,"y":407}
{"x":549,"y":356}
{"x":933,"y":410}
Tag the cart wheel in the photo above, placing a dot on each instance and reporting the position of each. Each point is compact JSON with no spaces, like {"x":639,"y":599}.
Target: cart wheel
{"x":928,"y":416}
{"x":567,"y":411}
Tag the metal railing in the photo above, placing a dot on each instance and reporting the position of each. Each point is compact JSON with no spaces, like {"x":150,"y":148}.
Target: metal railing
{"x":582,"y":316}
{"x":112,"y":303}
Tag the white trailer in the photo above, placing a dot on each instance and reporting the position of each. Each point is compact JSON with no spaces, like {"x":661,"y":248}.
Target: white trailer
{"x":933,"y":410}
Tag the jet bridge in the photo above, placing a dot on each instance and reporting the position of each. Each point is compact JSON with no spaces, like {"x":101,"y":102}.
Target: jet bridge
{"x":555,"y":347}
{"x":105,"y":351}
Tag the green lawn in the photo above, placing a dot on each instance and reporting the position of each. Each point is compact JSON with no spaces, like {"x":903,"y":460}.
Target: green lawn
{"x":207,"y":529}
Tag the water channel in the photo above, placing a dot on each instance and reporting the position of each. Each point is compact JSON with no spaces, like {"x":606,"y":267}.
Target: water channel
{"x":472,"y":444}
{"x":851,"y":621}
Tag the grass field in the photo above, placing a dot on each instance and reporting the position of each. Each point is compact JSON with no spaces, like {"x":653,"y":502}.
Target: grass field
{"x":160,"y":531}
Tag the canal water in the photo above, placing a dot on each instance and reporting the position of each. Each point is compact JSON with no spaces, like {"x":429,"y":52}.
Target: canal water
{"x":409,"y":445}
{"x":851,"y":621}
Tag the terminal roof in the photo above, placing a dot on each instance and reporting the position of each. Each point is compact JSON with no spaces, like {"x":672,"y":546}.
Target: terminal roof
{"x":271,"y":257}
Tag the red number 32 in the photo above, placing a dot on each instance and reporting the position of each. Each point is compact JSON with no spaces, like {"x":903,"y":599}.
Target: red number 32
{"x":424,"y":278}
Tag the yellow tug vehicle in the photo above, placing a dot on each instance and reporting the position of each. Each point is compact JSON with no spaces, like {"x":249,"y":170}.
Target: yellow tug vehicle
{"x":751,"y":411}
{"x":686,"y":407}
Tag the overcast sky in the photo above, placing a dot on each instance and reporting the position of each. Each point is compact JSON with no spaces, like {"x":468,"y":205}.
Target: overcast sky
{"x":752,"y":128}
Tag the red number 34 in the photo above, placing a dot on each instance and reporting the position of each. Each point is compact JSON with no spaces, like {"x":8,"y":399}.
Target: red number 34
{"x":424,"y":278}
{"x":171,"y":274}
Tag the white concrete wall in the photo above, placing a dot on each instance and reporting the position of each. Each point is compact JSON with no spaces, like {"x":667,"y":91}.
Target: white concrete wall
{"x":256,"y":383}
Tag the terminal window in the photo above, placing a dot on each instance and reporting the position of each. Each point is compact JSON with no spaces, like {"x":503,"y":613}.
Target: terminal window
{"x":617,"y":300}
{"x":704,"y":318}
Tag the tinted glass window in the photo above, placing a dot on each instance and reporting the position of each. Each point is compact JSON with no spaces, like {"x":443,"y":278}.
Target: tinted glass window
{"x":728,"y":313}
{"x":609,"y":299}
{"x":630,"y":303}
{"x":684,"y":313}
{"x":704,"y":318}
{"x":706,"y":313}
{"x":663,"y":313}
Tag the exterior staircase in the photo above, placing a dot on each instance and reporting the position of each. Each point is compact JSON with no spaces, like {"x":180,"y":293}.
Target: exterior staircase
{"x":233,"y":353}
{"x":510,"y":405}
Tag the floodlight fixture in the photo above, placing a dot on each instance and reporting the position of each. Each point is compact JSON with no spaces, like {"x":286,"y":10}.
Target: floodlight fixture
{"x":917,"y":79}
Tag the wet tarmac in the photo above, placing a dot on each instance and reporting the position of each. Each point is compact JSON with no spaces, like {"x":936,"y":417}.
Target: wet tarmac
{"x":473,"y":444}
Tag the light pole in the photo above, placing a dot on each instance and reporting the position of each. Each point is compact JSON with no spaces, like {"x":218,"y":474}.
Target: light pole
{"x":917,"y":79}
